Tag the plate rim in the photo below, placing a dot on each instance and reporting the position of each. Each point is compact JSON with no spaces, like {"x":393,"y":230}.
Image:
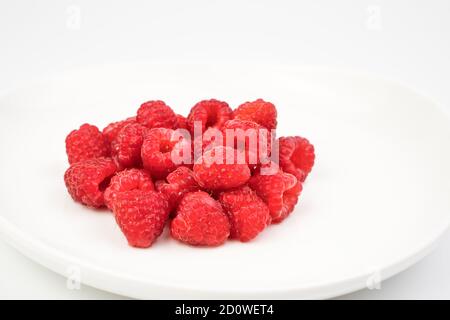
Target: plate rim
{"x":44,"y":254}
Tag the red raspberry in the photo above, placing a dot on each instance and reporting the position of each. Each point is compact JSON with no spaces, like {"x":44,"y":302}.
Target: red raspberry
{"x":291,"y":197}
{"x":112,"y":130}
{"x":259,"y":111}
{"x":221,"y":169}
{"x":279,"y":191}
{"x":162,"y":153}
{"x":248,"y":214}
{"x":87,"y":180}
{"x":141,"y":216}
{"x":156,"y":114}
{"x":209,"y":139}
{"x":296,"y":156}
{"x":127,"y":180}
{"x":126,"y":148}
{"x":211,"y":113}
{"x":248,"y":134}
{"x":200,"y":221}
{"x":179,"y":182}
{"x":86,"y":143}
{"x":181,"y":122}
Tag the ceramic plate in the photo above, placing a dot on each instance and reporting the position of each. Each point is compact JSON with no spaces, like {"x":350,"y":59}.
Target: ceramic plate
{"x":376,"y":202}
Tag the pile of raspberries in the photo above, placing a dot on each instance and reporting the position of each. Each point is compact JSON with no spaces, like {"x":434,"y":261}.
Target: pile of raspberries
{"x":128,"y":168}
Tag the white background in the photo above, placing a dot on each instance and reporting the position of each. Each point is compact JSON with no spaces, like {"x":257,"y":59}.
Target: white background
{"x":407,"y":41}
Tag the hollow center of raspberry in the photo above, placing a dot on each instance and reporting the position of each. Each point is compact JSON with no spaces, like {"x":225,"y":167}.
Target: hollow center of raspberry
{"x":166,"y":146}
{"x":211,"y":121}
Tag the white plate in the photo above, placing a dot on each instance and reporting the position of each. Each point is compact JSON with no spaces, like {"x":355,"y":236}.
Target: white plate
{"x":376,"y":202}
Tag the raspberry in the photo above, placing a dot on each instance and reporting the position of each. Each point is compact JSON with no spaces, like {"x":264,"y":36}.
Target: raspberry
{"x":209,"y":139}
{"x":200,"y":221}
{"x":179,"y":182}
{"x":162,"y":154}
{"x":86,"y":143}
{"x":111,"y":131}
{"x":126,"y":148}
{"x":254,"y":138}
{"x":181,"y":122}
{"x":87,"y":180}
{"x":156,"y":114}
{"x":259,"y":111}
{"x":279,"y":191}
{"x":211,"y":113}
{"x":127,"y":180}
{"x":141,"y":216}
{"x":291,"y":197}
{"x":248,"y":214}
{"x":296,"y":156}
{"x":221,"y":169}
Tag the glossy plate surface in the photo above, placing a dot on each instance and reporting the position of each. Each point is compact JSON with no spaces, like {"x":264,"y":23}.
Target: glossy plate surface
{"x":376,"y":202}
